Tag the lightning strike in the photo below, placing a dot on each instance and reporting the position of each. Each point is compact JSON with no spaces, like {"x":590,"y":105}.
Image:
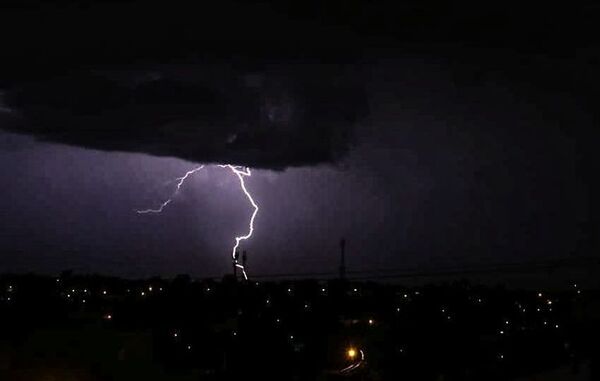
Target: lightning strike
{"x":241,"y":173}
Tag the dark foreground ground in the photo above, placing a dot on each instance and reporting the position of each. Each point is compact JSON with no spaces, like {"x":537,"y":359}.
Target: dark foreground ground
{"x":97,"y":328}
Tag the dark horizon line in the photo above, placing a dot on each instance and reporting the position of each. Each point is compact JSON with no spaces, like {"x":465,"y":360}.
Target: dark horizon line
{"x":365,"y":275}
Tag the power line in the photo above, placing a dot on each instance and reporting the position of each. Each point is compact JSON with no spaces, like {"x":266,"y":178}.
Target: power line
{"x":391,"y":273}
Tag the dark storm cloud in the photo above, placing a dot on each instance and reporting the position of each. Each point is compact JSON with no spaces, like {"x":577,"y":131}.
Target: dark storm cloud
{"x":250,"y":113}
{"x":271,"y":116}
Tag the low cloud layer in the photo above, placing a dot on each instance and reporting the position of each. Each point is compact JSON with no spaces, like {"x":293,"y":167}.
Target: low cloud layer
{"x":271,"y":116}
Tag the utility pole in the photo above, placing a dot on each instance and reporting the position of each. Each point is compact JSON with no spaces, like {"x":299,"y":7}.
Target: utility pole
{"x":342,"y":258}
{"x":244,"y":259}
{"x":234,"y":262}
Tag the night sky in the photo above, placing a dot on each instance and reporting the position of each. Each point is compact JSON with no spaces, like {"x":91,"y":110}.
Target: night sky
{"x":436,"y":137}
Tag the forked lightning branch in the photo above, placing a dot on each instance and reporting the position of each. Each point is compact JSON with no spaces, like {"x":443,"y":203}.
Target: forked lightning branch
{"x":241,"y":173}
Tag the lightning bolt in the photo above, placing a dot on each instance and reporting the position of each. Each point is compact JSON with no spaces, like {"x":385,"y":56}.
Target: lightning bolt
{"x":241,"y":173}
{"x":180,"y":181}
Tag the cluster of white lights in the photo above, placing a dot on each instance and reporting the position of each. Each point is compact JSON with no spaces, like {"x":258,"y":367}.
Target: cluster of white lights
{"x":544,"y":304}
{"x":176,"y":335}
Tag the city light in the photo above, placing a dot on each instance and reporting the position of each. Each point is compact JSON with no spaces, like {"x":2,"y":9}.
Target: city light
{"x":351,"y":353}
{"x":304,"y":299}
